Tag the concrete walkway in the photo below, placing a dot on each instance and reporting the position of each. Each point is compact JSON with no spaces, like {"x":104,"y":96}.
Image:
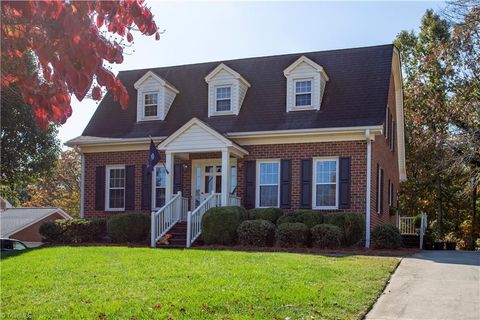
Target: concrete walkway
{"x":432,"y":285}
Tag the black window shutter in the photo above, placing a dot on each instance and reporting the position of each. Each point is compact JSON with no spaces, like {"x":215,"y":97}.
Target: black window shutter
{"x":285,"y":183}
{"x":130,"y":187}
{"x":393,"y":136}
{"x":381,"y":190}
{"x":306,"y":184}
{"x":390,"y":129}
{"x":146,"y":189}
{"x":177,"y":177}
{"x":344,"y":183}
{"x":377,"y":193}
{"x":250,"y":177}
{"x":100,"y":188}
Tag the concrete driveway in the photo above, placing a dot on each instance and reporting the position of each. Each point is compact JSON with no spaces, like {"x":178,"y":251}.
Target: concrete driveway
{"x":432,"y":285}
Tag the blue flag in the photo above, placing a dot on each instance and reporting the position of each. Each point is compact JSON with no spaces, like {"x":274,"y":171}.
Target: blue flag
{"x":153,"y":157}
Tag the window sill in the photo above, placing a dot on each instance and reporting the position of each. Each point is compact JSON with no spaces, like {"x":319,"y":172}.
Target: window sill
{"x":115,"y":209}
{"x":223,"y":113}
{"x":325,"y":208}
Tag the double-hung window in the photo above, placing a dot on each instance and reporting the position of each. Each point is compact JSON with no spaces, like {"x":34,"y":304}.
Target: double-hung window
{"x":159,"y":187}
{"x":303,"y":93}
{"x":223,"y":98}
{"x":325,"y":193}
{"x":268,"y":190}
{"x":150,"y":104}
{"x":115,"y":184}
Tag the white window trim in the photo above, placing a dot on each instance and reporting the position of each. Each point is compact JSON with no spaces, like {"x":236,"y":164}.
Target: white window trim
{"x":144,"y":117}
{"x":107,"y":187}
{"x":314,"y":184}
{"x":257,"y":184}
{"x":305,"y":107}
{"x":154,"y":186}
{"x":216,"y":99}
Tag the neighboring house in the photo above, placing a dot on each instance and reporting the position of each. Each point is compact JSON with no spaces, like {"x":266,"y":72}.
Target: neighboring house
{"x":24,"y":223}
{"x":321,"y":130}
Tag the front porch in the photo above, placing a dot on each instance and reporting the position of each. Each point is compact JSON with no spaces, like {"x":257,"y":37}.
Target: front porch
{"x":210,"y":163}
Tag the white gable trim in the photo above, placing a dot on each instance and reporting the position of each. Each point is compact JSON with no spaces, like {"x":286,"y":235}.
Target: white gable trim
{"x":195,"y":146}
{"x":308,"y":61}
{"x":397,"y":77}
{"x":152,"y":74}
{"x":223,"y":66}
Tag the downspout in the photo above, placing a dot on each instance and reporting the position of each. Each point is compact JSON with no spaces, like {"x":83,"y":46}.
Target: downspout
{"x":82,"y":181}
{"x":369,"y":189}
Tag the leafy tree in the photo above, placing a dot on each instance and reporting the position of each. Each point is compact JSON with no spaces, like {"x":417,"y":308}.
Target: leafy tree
{"x":426,"y":78}
{"x":27,"y":151}
{"x":61,"y":188}
{"x":70,"y":41}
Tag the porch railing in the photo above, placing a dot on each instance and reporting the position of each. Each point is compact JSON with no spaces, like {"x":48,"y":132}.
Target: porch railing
{"x":167,"y":216}
{"x":233,"y":200}
{"x":194,"y":218}
{"x":407,"y":225}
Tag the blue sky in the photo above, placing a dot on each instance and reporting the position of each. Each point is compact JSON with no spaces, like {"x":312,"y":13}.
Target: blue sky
{"x":211,"y":31}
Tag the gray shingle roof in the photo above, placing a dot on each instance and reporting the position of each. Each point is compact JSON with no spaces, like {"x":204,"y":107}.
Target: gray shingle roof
{"x":356,"y":95}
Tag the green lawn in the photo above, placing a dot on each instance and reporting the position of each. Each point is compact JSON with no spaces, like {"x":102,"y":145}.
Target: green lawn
{"x":142,"y":283}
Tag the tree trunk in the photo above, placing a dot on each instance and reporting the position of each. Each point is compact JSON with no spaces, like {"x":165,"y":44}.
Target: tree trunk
{"x":474,"y":234}
{"x":438,"y":198}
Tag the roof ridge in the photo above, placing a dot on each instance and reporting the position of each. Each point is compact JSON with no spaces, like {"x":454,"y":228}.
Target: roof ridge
{"x":257,"y":57}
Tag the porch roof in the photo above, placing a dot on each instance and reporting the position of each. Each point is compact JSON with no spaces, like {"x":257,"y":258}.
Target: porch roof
{"x":197,"y":136}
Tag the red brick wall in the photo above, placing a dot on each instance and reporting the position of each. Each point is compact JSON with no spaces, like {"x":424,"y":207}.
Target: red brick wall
{"x":295,"y":152}
{"x":388,"y":160}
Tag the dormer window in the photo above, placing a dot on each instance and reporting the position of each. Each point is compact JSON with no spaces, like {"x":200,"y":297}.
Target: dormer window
{"x":150,"y":105}
{"x":223,"y":99}
{"x":226,"y":91}
{"x":303,"y":93}
{"x":154,"y":97}
{"x":306,"y":81}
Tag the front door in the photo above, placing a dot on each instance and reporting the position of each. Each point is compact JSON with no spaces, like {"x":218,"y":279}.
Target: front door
{"x":207,"y":178}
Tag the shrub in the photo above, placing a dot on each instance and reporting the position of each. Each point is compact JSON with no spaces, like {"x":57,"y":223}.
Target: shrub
{"x":51,"y":231}
{"x":309,"y":217}
{"x":287,"y":218}
{"x":219,"y":225}
{"x":326,"y":236}
{"x":352,"y":224}
{"x":386,"y":236}
{"x":129,"y":227}
{"x":269,"y":214}
{"x":292,"y":234}
{"x":73,"y":230}
{"x":256,"y":233}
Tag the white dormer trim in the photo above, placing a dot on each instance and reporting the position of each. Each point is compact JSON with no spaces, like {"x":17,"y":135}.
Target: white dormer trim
{"x":304,"y":69}
{"x":151,"y":83}
{"x":225,"y":77}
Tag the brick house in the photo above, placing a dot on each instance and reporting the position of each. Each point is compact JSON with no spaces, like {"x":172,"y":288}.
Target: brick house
{"x":319,"y":130}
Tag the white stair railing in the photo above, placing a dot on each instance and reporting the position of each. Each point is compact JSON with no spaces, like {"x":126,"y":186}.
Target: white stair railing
{"x":233,"y":200}
{"x":167,"y":216}
{"x":407,"y":225}
{"x":194,"y":218}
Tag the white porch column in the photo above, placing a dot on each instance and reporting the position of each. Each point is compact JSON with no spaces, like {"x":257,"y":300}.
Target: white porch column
{"x":225,"y":176}
{"x":169,"y":160}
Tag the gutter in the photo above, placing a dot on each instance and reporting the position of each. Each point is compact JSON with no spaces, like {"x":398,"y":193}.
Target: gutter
{"x":369,"y":189}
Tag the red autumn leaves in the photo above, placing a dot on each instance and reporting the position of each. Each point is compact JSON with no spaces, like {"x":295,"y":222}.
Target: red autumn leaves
{"x":69,"y":50}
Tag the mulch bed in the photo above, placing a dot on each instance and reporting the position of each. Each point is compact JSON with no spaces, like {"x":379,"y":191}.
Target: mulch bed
{"x":402,"y":252}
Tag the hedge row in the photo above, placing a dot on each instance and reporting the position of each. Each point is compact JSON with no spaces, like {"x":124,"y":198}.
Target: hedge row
{"x":128,"y":227}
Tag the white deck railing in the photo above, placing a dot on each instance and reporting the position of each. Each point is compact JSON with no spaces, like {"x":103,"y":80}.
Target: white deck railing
{"x":167,"y":216}
{"x":407,"y":226}
{"x":233,"y":200}
{"x":194,"y":218}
